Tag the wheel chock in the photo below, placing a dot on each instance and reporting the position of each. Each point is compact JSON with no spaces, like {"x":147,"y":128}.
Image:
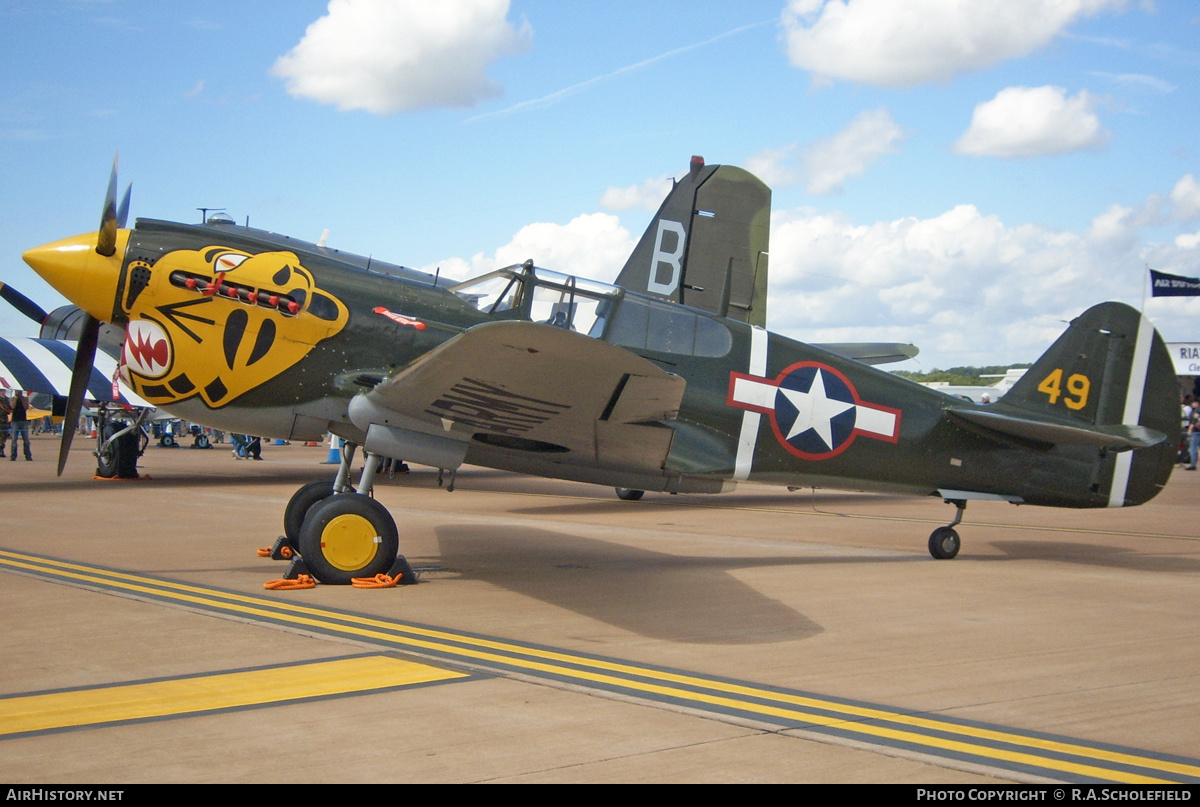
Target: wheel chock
{"x":296,"y":568}
{"x":401,"y":567}
{"x":282,"y":550}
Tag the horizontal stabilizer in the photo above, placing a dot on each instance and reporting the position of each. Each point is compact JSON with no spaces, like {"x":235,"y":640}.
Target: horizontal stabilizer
{"x":872,"y":352}
{"x":1117,"y":437}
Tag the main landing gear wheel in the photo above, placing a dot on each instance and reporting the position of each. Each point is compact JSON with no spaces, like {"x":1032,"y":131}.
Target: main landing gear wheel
{"x":944,"y":543}
{"x":298,"y":506}
{"x":630,"y":494}
{"x":346,"y":536}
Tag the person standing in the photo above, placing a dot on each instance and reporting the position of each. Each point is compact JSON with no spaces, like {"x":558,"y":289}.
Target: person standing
{"x":1193,"y":435}
{"x":5,"y":411}
{"x":20,"y":424}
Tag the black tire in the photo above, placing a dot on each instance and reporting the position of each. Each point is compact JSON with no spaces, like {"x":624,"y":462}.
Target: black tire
{"x":106,"y":463}
{"x":348,"y":536}
{"x":120,"y":458}
{"x":630,"y":494}
{"x":299,"y":505}
{"x":106,"y":460}
{"x":202,"y":441}
{"x":944,"y":543}
{"x":167,"y":441}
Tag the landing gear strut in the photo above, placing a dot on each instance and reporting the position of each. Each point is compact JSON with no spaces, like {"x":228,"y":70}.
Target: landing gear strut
{"x":340,"y":531}
{"x":944,"y":542}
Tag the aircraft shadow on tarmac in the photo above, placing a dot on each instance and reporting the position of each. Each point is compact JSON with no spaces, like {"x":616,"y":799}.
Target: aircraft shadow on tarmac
{"x":1109,"y":557}
{"x":1082,"y":553}
{"x":652,"y":594}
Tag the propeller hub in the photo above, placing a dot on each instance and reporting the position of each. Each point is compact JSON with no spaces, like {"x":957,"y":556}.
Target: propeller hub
{"x":87,"y":279}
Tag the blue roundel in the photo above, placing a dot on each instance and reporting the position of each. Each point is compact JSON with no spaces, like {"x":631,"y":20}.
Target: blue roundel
{"x":815,"y":410}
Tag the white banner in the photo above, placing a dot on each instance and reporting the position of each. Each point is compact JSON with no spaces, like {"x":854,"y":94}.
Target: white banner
{"x":1186,"y":356}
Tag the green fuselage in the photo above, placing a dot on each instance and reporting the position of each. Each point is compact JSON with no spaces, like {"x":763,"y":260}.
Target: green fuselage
{"x":757,"y":407}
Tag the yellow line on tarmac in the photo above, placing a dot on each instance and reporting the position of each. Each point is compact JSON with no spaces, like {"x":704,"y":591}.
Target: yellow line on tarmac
{"x":908,"y":729}
{"x":207,"y":693}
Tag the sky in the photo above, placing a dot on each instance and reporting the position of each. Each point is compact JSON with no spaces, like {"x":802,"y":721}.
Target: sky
{"x":965,"y":175}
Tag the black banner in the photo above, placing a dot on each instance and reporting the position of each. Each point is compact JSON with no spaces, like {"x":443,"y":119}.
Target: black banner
{"x":1164,"y":285}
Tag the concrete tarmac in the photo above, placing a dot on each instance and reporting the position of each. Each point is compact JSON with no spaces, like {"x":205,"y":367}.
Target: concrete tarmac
{"x":1078,"y":624}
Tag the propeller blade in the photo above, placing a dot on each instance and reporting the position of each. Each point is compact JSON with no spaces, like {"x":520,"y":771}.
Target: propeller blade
{"x":123,"y":208}
{"x":85,"y":355}
{"x":22,"y":303}
{"x":106,"y":240}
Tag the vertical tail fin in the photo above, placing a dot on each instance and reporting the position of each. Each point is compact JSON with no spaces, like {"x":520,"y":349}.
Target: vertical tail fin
{"x":707,"y":246}
{"x":1110,"y":371}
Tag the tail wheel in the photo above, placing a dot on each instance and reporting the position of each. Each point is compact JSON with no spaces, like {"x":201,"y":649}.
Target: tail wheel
{"x":298,"y":506}
{"x":944,"y":543}
{"x":348,"y":536}
{"x":629,"y":494}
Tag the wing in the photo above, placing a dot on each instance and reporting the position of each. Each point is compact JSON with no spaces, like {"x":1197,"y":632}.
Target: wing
{"x":44,"y":365}
{"x":531,"y":387}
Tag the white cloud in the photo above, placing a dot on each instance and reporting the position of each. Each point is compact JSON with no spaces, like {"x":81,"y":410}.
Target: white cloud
{"x":775,"y":166}
{"x":1188,"y":240}
{"x":824,"y":165}
{"x":1032,"y":121}
{"x":894,"y":44}
{"x":593,"y":246}
{"x":830,"y":162}
{"x":388,"y":56}
{"x":1138,"y":81}
{"x":1185,"y":198}
{"x":965,"y":287}
{"x":648,"y":195}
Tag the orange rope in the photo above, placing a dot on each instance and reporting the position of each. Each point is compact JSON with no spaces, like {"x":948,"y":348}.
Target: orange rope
{"x":285,"y":552}
{"x":303,"y":581}
{"x":378,"y":581}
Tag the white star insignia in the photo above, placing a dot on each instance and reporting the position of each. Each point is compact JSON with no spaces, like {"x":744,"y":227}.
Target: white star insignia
{"x":814,"y":409}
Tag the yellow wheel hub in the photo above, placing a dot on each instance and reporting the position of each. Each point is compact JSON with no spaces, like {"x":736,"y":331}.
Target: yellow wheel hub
{"x":349,"y":542}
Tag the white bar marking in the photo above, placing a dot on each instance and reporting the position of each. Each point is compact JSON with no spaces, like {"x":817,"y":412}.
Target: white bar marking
{"x":752,"y":392}
{"x":748,"y":439}
{"x":875,"y":421}
{"x":1133,"y":409}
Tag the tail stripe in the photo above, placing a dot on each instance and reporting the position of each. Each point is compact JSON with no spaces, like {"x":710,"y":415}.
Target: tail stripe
{"x":1134,"y":393}
{"x":748,"y":440}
